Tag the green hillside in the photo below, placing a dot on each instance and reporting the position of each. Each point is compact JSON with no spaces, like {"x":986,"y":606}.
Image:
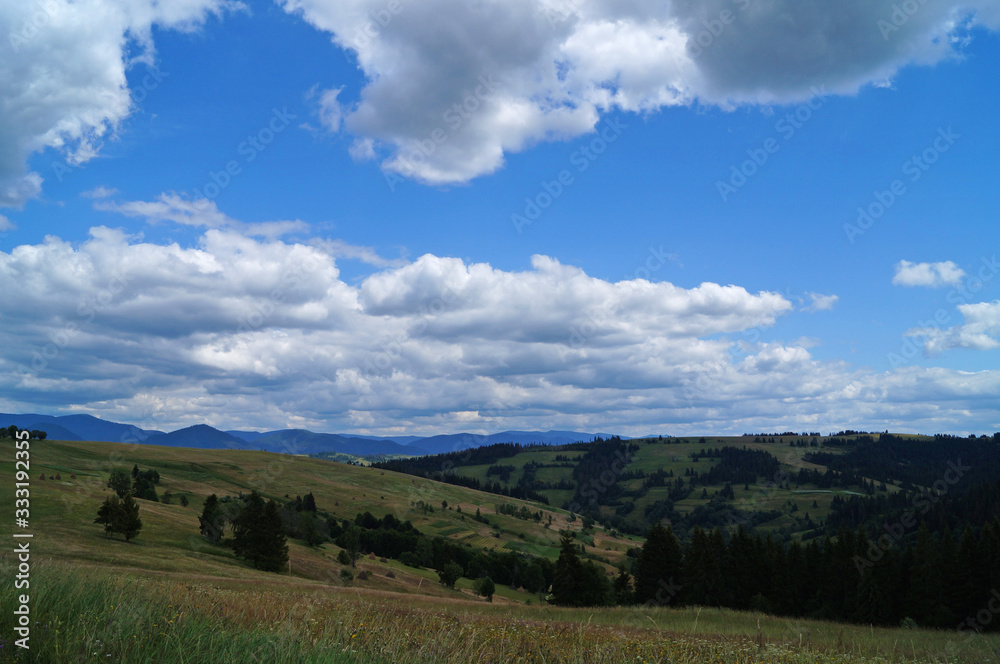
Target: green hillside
{"x":629,"y":495}
{"x":63,"y":510}
{"x":170,"y":596}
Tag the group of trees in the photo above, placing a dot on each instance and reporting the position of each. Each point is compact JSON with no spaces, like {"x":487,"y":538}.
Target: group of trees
{"x":12,"y":431}
{"x":258,"y":533}
{"x":140,"y":484}
{"x":937,"y":581}
{"x":442,"y":467}
{"x":389,"y":537}
{"x":119,"y":513}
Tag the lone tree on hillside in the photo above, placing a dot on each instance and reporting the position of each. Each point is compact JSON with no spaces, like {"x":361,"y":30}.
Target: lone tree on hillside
{"x":449,"y":573}
{"x":485,"y":588}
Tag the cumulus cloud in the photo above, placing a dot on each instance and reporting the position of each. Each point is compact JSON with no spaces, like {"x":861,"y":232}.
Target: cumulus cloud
{"x":455,"y":86}
{"x":981,"y":330}
{"x":820,"y":302}
{"x":263,"y":332}
{"x":933,"y":275}
{"x":6,"y":224}
{"x":62,"y":76}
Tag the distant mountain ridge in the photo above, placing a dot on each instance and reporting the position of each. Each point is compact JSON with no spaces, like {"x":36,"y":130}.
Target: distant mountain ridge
{"x":83,"y":427}
{"x":287,"y":441}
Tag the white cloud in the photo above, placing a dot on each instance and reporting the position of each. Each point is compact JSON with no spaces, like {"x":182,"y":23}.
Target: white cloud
{"x":6,"y":224}
{"x":981,"y":330}
{"x":820,"y":302}
{"x":62,"y":76}
{"x":494,"y":77}
{"x":330,"y":112}
{"x":200,"y":213}
{"x":262,"y":332}
{"x":100,"y":192}
{"x":933,"y":275}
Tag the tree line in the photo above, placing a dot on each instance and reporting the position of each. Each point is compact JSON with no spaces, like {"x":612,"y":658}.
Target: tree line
{"x":939,"y":581}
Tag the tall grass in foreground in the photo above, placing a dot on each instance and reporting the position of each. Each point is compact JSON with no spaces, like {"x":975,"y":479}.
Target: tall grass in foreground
{"x":83,"y":615}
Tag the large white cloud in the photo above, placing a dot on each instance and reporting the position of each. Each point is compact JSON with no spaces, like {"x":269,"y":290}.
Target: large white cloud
{"x":980,"y":331}
{"x":255,"y":331}
{"x":62,"y":75}
{"x":453,"y":86}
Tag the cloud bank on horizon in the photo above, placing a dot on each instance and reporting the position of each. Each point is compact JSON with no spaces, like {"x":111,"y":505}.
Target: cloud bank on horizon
{"x":248,"y":330}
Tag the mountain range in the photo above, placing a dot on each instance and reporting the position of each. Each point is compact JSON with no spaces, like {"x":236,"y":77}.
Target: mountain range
{"x":289,"y":441}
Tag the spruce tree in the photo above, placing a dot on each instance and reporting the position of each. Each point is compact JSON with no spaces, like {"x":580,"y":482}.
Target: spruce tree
{"x":623,"y":594}
{"x":923,"y":599}
{"x":212,"y":520}
{"x":272,"y":548}
{"x":568,"y":571}
{"x":658,"y":566}
{"x":107,"y":513}
{"x":129,"y":523}
{"x":259,"y":536}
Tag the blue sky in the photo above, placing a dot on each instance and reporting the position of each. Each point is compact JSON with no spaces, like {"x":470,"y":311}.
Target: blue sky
{"x":587,"y":244}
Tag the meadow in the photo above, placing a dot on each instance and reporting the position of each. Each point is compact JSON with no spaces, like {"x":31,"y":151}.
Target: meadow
{"x":168,"y":596}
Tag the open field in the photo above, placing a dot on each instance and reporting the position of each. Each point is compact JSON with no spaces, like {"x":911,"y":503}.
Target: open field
{"x":169,"y":596}
{"x":85,"y":613}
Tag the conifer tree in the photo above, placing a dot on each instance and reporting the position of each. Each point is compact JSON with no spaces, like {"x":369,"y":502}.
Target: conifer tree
{"x":129,"y":523}
{"x":258,"y":534}
{"x":212,"y":521}
{"x":658,"y":567}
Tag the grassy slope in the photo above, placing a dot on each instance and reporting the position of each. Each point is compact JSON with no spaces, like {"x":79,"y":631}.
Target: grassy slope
{"x":94,"y":595}
{"x":63,"y":510}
